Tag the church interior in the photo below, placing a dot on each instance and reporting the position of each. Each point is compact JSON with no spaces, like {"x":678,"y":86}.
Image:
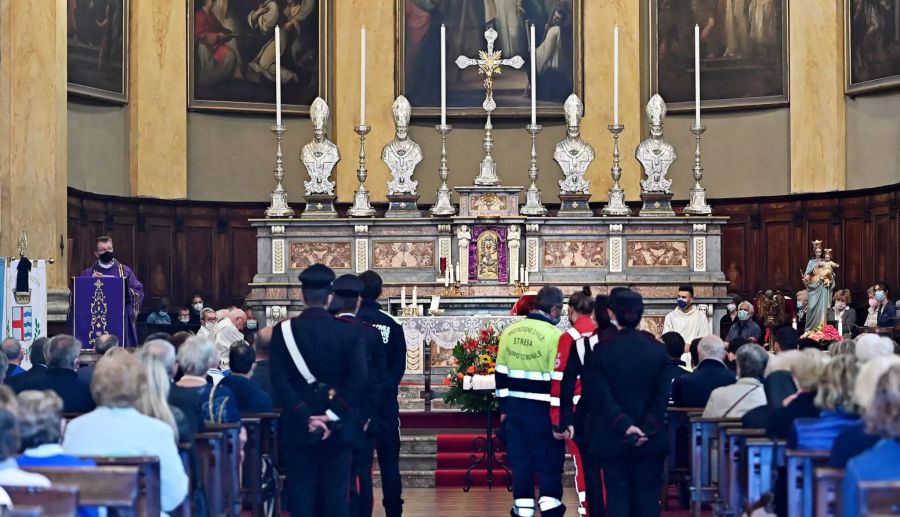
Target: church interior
{"x":472,"y":154}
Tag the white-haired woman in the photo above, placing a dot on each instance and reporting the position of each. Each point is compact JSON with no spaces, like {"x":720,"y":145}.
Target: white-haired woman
{"x":745,"y":327}
{"x":201,"y":401}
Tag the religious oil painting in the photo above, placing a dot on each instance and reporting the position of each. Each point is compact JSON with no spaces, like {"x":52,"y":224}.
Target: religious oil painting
{"x":232,"y":54}
{"x":97,"y":49}
{"x":743,"y":52}
{"x":873,"y":44}
{"x":558,"y":54}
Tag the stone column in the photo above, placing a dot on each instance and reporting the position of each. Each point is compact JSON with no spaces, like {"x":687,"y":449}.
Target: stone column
{"x":158,"y":93}
{"x":818,"y":132}
{"x":599,"y":20}
{"x":33,"y":142}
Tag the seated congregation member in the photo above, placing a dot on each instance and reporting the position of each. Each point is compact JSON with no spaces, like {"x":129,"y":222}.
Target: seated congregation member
{"x":262,"y":373}
{"x":870,"y":346}
{"x":154,"y":397}
{"x":62,"y":353}
{"x":842,"y":347}
{"x":675,"y":368}
{"x":802,"y":304}
{"x":164,"y":352}
{"x":38,"y":367}
{"x":184,"y":316}
{"x":196,"y":306}
{"x":116,"y":428}
{"x":201,"y":401}
{"x":734,"y":400}
{"x":886,"y":310}
{"x":161,"y":315}
{"x":745,"y":327}
{"x":12,"y":350}
{"x":834,"y":398}
{"x":525,"y":361}
{"x":801,"y":404}
{"x":40,"y":427}
{"x":841,"y":311}
{"x":728,"y":319}
{"x":731,"y":349}
{"x":693,"y":390}
{"x":208,"y":320}
{"x":880,"y":462}
{"x":778,"y":385}
{"x":628,"y":438}
{"x":687,"y":319}
{"x":570,"y":356}
{"x":692,"y":356}
{"x":250,"y":397}
{"x":854,"y":438}
{"x":10,"y":443}
{"x":101,"y":345}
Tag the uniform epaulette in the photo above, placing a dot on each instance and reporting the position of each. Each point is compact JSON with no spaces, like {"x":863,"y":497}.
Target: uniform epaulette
{"x":391,"y":316}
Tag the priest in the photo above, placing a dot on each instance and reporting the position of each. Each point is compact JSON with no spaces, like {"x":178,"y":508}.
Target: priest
{"x":687,"y":319}
{"x":107,"y":265}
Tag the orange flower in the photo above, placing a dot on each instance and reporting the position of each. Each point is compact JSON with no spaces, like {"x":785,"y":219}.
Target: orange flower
{"x":446,"y":381}
{"x":471,"y":369}
{"x":460,"y":375}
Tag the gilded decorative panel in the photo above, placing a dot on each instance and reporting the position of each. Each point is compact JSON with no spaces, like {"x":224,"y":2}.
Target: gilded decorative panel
{"x":653,"y":325}
{"x":657,"y":253}
{"x":403,"y":254}
{"x":574,"y":254}
{"x":336,"y":255}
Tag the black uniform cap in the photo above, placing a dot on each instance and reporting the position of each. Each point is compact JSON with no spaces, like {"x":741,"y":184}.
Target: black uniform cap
{"x":317,"y":276}
{"x":348,"y":286}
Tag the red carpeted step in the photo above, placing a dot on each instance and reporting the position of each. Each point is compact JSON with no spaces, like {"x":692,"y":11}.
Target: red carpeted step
{"x":457,"y":478}
{"x":459,"y":460}
{"x":462,"y":442}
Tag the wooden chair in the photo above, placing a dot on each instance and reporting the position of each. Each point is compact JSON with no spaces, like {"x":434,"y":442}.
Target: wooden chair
{"x":149,"y":499}
{"x":879,"y":498}
{"x":55,"y":501}
{"x":262,"y":441}
{"x":114,"y":487}
{"x":828,"y":491}
{"x":704,"y":438}
{"x":736,"y":491}
{"x":677,"y":422}
{"x":800,"y":467}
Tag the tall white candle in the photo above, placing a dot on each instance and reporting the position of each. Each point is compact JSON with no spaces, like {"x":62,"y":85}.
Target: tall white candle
{"x":697,"y":75}
{"x":403,"y":297}
{"x":443,"y":75}
{"x":526,"y":278}
{"x":415,"y":300}
{"x":277,"y":76}
{"x":456,"y":273}
{"x":521,"y":277}
{"x":362,"y":75}
{"x":447,"y":277}
{"x":616,"y":75}
{"x":533,"y":80}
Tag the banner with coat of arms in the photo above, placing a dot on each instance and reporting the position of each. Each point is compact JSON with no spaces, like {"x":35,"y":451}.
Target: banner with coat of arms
{"x":25,"y":312}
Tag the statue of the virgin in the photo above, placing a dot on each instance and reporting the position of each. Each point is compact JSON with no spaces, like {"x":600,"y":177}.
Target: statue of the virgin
{"x":819,"y":290}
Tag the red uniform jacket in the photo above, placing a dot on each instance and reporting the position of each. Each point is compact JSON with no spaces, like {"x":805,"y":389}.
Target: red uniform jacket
{"x":583,"y":326}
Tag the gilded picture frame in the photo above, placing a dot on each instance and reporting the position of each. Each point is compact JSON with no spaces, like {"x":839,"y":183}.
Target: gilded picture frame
{"x":417,"y":56}
{"x":97,"y":57}
{"x":745,"y":58}
{"x":871,"y":56}
{"x":248,"y":86}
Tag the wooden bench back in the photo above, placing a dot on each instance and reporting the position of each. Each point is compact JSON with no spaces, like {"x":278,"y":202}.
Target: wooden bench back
{"x":55,"y":501}
{"x":115,"y":487}
{"x":879,"y":498}
{"x":149,"y":473}
{"x":828,"y":491}
{"x":801,"y":465}
{"x":231,"y":473}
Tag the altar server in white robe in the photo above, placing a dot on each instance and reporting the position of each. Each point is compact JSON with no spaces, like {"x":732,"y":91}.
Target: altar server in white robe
{"x":687,"y":319}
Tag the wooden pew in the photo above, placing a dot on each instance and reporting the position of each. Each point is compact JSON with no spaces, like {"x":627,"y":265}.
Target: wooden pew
{"x":55,"y":501}
{"x":879,"y":498}
{"x":828,"y":491}
{"x":262,"y":442}
{"x":722,"y":474}
{"x":185,"y":452}
{"x":800,"y":467}
{"x":762,"y":457}
{"x":114,"y":487}
{"x":148,"y":470}
{"x":704,"y":438}
{"x":231,"y":470}
{"x":736,"y":485}
{"x":677,"y":421}
{"x":211,"y":455}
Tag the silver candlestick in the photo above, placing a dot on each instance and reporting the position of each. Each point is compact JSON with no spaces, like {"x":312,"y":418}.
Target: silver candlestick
{"x":698,"y":204}
{"x":279,"y":206}
{"x":361,"y":206}
{"x":533,"y":205}
{"x":443,"y":205}
{"x":616,"y":205}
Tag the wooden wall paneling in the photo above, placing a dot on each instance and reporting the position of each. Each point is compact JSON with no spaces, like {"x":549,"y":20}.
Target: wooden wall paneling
{"x":243,"y":261}
{"x":851,"y":258}
{"x":156,"y":260}
{"x":777,"y":239}
{"x":734,"y":256}
{"x":196,"y":274}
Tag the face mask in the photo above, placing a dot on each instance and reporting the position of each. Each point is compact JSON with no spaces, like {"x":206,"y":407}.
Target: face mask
{"x":208,"y":325}
{"x":106,"y":257}
{"x":840,"y":306}
{"x":251,"y":324}
{"x":873,"y":303}
{"x":198,"y":306}
{"x":162,"y":310}
{"x":743,"y":315}
{"x":732,"y":307}
{"x":800,"y":304}
{"x":879,"y":295}
{"x":184,"y":320}
{"x":683,"y":303}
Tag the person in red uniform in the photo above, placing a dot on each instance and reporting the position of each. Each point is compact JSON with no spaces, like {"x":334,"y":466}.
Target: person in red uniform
{"x":581,"y":306}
